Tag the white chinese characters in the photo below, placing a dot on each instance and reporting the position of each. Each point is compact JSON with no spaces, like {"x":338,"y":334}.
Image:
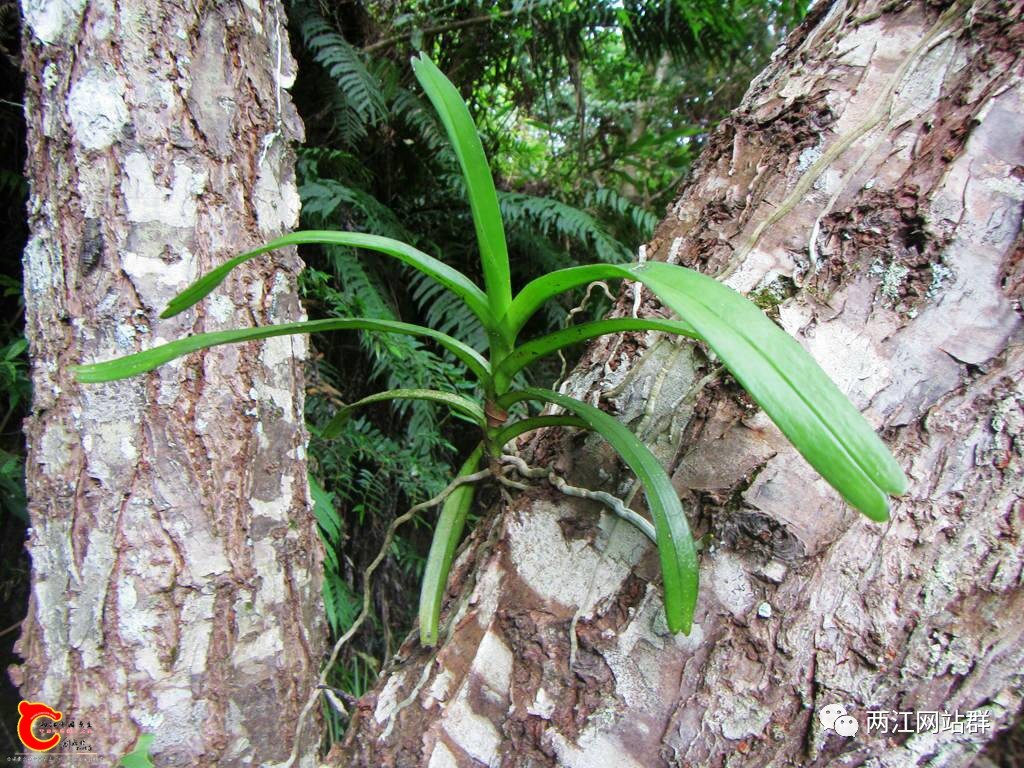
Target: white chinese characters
{"x":836,"y":717}
{"x":929,"y":721}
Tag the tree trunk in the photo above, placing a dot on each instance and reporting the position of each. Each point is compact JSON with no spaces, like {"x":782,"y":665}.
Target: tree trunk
{"x":868,"y":193}
{"x":175,"y":564}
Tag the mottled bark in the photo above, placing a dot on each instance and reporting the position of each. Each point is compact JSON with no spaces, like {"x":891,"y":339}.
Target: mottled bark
{"x":175,"y":564}
{"x":868,"y":192}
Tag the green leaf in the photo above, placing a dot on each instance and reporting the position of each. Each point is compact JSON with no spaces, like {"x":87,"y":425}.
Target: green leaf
{"x":15,"y":348}
{"x":650,"y":139}
{"x":341,"y":604}
{"x":536,"y":292}
{"x":676,"y":549}
{"x":525,"y":354}
{"x":457,"y":403}
{"x":447,"y":534}
{"x":560,"y":221}
{"x":324,"y":512}
{"x":147,"y":360}
{"x":786,"y":382}
{"x":483,"y":200}
{"x":521,"y":427}
{"x":139,"y":757}
{"x":451,"y":278}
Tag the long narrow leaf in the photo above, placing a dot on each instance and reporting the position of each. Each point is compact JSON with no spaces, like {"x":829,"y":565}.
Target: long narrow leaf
{"x":784,"y":380}
{"x":525,"y":354}
{"x":537,"y":291}
{"x":521,"y":427}
{"x":458,"y":403}
{"x":447,"y":534}
{"x":676,"y":549}
{"x":449,"y":277}
{"x":147,"y":360}
{"x":483,"y":200}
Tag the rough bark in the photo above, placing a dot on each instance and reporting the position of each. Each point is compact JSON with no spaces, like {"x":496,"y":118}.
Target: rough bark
{"x":175,"y":565}
{"x":868,"y":191}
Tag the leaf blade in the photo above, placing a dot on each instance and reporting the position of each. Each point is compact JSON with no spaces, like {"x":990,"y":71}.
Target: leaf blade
{"x":539,"y":290}
{"x":449,"y":277}
{"x":139,"y":757}
{"x":784,"y":380}
{"x":483,"y":198}
{"x":458,"y":403}
{"x":521,"y":427}
{"x":147,"y":360}
{"x":526,"y":353}
{"x":447,"y":534}
{"x":676,"y":549}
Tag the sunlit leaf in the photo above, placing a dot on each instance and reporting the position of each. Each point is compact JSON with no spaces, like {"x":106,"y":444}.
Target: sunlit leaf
{"x":458,"y":403}
{"x":147,"y":360}
{"x":449,"y":277}
{"x":784,"y":380}
{"x":779,"y":374}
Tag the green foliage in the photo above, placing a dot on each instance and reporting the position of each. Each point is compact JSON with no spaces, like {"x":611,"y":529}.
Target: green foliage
{"x":14,"y":382}
{"x":790,"y":387}
{"x":359,"y":94}
{"x":340,"y":604}
{"x":483,"y":197}
{"x":555,"y":219}
{"x":676,"y":549}
{"x":16,"y":392}
{"x":139,"y":757}
{"x":447,"y":535}
{"x":777,"y":372}
{"x":12,"y":485}
{"x":395,"y":174}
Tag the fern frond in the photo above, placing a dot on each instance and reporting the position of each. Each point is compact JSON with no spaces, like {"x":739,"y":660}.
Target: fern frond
{"x":418,"y":116}
{"x":360,"y":89}
{"x":313,"y":163}
{"x":605,"y":197}
{"x":555,"y":218}
{"x":321,"y":198}
{"x":446,"y":312}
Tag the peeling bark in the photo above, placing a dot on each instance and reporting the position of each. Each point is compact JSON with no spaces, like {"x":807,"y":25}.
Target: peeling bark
{"x":868,"y":192}
{"x":175,"y":564}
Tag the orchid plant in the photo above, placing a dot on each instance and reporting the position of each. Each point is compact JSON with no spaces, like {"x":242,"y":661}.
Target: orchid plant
{"x":776,"y":371}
